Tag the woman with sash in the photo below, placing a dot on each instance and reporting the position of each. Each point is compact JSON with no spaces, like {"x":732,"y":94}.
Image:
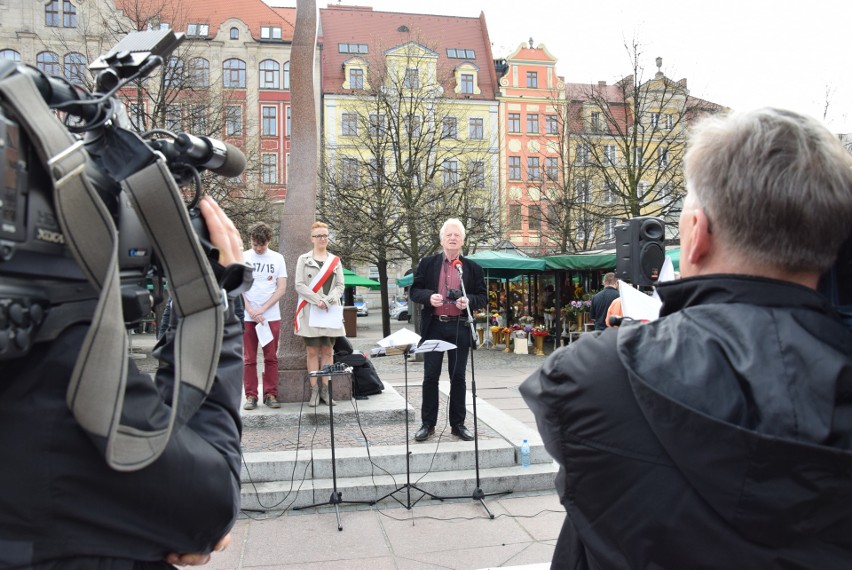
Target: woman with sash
{"x":319,"y":283}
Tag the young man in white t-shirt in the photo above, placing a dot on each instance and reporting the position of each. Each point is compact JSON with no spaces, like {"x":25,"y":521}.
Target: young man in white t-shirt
{"x":261,"y":300}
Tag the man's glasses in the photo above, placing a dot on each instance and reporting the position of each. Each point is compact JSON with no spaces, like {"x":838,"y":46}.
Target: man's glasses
{"x":321,"y":236}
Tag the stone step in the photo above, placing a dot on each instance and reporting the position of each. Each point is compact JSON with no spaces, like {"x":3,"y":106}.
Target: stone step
{"x":301,"y":492}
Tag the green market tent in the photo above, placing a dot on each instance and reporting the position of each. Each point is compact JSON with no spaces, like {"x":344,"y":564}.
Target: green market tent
{"x":591,"y":261}
{"x":352,"y":279}
{"x":405,"y":280}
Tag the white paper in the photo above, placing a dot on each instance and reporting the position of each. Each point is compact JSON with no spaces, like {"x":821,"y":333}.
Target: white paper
{"x":331,"y":318}
{"x":264,"y":333}
{"x":434,"y":346}
{"x":636,"y":304}
{"x":402,"y":337}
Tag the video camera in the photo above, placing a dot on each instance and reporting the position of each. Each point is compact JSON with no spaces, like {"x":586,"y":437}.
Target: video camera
{"x":42,"y":287}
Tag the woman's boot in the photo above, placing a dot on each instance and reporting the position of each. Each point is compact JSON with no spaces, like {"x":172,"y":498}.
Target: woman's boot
{"x":315,"y":395}
{"x":326,"y":397}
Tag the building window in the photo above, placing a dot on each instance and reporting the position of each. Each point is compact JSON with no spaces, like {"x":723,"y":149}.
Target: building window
{"x":670,"y":122}
{"x":609,"y":228}
{"x":609,"y":192}
{"x":199,"y":72}
{"x":270,"y":32}
{"x":197,"y":30}
{"x":582,"y":155}
{"x":412,"y":125}
{"x":10,"y":54}
{"x":467,"y":83}
{"x":551,"y":166}
{"x":583,"y":190}
{"x":234,"y":75}
{"x":235,"y":34}
{"x":269,"y":121}
{"x":233,"y":120}
{"x":48,"y":63}
{"x":533,"y":168}
{"x":375,"y":171}
{"x":450,"y":128}
{"x":173,"y":74}
{"x":475,"y":130}
{"x":289,"y":128}
{"x":461,"y":53}
{"x":136,"y":114}
{"x":75,"y":68}
{"x":352,"y":48}
{"x":451,"y":173}
{"x":532,"y":123}
{"x":514,"y":122}
{"x":595,"y":121}
{"x":349,"y":125}
{"x":532,"y":79}
{"x":173,"y":118}
{"x":349,"y":175}
{"x":477,"y":174}
{"x":662,"y":157}
{"x":51,"y":14}
{"x":378,"y":125}
{"x":356,"y":78}
{"x":655,"y":120}
{"x":610,"y":154}
{"x":551,"y":124}
{"x":269,"y":169}
{"x":69,"y":15}
{"x":412,"y":78}
{"x":286,"y":75}
{"x":514,"y":168}
{"x":198,"y":119}
{"x":534,"y":217}
{"x":269,"y":74}
{"x":515,"y":217}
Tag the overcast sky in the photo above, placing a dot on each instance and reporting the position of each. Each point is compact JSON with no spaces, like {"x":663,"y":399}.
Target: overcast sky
{"x":738,"y":53}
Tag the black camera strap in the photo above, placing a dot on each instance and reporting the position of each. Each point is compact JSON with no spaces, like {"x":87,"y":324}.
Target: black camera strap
{"x":99,"y":379}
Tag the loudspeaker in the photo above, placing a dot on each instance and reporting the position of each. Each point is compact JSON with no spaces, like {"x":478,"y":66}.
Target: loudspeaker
{"x":640,"y":250}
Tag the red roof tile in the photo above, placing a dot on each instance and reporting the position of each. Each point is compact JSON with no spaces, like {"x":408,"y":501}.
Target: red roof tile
{"x":381,"y":31}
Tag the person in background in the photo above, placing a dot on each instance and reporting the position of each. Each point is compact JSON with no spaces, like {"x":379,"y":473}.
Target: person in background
{"x":437,"y":286}
{"x":719,"y":435}
{"x":261,"y":308}
{"x":602,"y":299}
{"x":319,"y":283}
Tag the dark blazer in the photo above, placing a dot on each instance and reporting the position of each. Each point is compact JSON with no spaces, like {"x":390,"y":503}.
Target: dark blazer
{"x":425,"y":284}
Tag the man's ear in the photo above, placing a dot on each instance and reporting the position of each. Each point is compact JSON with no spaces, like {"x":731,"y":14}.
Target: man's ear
{"x":700,"y":238}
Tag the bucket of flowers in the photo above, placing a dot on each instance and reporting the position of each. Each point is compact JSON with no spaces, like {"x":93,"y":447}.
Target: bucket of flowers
{"x":539,"y":333}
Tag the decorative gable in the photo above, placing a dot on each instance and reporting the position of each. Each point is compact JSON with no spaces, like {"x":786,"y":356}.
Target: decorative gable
{"x":355,"y":74}
{"x":412,"y":65}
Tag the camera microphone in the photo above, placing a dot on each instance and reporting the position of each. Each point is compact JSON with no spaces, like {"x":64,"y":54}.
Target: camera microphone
{"x":217,"y":156}
{"x":458,"y":265}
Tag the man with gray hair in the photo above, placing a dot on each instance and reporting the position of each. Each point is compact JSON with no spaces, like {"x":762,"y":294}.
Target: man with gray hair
{"x":719,"y":435}
{"x":437,"y":286}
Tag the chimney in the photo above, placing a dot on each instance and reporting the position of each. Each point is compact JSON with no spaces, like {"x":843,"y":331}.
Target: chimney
{"x":601,"y":83}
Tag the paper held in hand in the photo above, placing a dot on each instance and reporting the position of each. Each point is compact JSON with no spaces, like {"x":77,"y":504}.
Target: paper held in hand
{"x":264,"y":333}
{"x":331,"y":318}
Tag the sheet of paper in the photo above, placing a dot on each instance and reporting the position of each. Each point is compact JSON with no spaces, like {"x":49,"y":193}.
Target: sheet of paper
{"x":264,"y":333}
{"x":636,"y":304}
{"x":435,"y":346}
{"x":402,"y":337}
{"x":331,"y":318}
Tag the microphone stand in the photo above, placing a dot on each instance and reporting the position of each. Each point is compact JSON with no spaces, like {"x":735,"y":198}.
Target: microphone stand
{"x":478,"y":493}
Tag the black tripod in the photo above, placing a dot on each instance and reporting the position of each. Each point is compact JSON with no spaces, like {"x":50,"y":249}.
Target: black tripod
{"x":336,"y":499}
{"x":408,"y":486}
{"x":478,"y":493}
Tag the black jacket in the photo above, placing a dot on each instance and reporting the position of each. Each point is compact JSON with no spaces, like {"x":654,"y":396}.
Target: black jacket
{"x":718,"y":436}
{"x":425,"y":284}
{"x":600,"y":305}
{"x":61,"y":506}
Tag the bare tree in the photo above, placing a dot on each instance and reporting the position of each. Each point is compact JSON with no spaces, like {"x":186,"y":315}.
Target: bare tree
{"x":400,"y":167}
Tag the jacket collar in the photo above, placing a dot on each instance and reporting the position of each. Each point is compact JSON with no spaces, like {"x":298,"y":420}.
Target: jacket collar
{"x":724,"y":288}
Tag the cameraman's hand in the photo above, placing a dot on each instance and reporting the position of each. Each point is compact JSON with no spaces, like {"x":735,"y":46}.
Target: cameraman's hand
{"x":198,"y":559}
{"x":223,"y":234}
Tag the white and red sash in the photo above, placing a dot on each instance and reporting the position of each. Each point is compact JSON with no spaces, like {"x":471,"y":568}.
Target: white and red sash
{"x":326,"y":271}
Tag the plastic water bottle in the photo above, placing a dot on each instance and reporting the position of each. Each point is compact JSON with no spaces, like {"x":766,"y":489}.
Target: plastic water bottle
{"x":525,"y":454}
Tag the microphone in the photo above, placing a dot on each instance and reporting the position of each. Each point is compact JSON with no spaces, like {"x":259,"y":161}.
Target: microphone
{"x":217,"y":156}
{"x":458,"y":265}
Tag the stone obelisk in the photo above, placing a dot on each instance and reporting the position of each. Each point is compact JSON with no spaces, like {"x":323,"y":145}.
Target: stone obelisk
{"x":300,"y":203}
